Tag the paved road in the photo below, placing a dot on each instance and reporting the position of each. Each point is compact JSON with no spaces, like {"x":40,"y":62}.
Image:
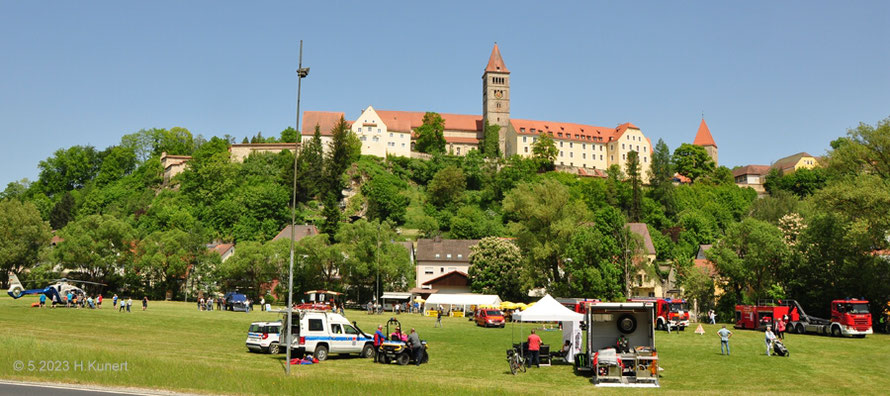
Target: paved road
{"x":13,"y":388}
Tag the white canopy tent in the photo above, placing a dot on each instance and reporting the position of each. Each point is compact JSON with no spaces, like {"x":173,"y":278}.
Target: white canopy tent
{"x":461,"y":300}
{"x":547,"y":309}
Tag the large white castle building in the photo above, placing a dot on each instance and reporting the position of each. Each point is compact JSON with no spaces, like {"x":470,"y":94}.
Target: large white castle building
{"x":594,"y":148}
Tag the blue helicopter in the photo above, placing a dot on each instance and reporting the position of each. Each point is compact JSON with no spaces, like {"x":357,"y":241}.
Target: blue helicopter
{"x":60,"y":287}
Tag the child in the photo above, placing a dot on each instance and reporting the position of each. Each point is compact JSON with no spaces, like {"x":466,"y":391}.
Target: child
{"x":129,"y":303}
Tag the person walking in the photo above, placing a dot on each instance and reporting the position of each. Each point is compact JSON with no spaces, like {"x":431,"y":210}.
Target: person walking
{"x":416,"y":346}
{"x":724,"y":334}
{"x":129,"y":303}
{"x":712,"y":316}
{"x":769,"y":338}
{"x":42,"y":300}
{"x":114,"y":301}
{"x":123,"y":305}
{"x":438,"y":318}
{"x":262,"y":304}
{"x":99,"y":302}
{"x":534,"y":349}
{"x":144,"y":302}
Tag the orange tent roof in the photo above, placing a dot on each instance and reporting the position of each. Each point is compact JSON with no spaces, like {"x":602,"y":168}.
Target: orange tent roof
{"x":495,"y":62}
{"x":703,"y":137}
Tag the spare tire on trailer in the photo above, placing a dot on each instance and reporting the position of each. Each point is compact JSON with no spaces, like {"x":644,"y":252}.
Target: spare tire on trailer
{"x":627,"y":324}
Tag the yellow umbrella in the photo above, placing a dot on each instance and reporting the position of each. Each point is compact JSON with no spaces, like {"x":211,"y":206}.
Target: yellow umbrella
{"x":508,"y":305}
{"x":420,"y":300}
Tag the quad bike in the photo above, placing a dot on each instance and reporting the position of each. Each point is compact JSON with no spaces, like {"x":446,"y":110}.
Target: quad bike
{"x":396,"y":350}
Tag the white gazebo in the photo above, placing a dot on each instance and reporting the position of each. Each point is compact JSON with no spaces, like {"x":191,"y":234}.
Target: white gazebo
{"x":547,"y":309}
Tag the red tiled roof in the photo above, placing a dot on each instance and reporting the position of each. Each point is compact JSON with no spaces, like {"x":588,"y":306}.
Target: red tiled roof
{"x":703,"y":136}
{"x":449,"y":274}
{"x":222,"y":248}
{"x":326,"y":120}
{"x":751,"y":170}
{"x":465,"y":140}
{"x":407,"y":121}
{"x":682,"y":179}
{"x":495,"y":62}
{"x":591,"y":173}
{"x":300,"y":232}
{"x":642,"y":230}
{"x":651,"y":148}
{"x":706,"y":265}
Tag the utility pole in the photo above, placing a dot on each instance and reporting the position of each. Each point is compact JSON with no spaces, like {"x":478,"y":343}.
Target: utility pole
{"x":301,"y":73}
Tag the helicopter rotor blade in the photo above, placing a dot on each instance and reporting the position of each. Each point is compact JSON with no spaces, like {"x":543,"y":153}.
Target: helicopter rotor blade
{"x":88,"y":282}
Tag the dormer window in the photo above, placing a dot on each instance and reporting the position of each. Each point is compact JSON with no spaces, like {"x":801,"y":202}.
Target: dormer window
{"x":438,"y":255}
{"x":448,"y":255}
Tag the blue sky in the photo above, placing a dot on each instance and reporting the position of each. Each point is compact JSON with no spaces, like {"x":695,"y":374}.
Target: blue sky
{"x":772,"y":78}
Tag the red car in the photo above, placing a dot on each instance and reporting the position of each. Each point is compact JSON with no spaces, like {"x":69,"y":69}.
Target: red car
{"x":489,"y":318}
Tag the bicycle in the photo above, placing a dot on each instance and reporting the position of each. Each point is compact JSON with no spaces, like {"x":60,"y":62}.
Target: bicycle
{"x":515,"y":360}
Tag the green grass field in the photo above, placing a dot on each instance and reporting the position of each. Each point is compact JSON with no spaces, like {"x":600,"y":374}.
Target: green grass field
{"x":172,"y":346}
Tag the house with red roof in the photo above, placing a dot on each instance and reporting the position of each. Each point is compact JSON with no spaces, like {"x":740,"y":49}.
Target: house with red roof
{"x":581,"y":146}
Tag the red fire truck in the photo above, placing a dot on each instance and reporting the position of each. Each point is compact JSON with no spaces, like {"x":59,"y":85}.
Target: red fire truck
{"x":849,"y":317}
{"x":668,"y":312}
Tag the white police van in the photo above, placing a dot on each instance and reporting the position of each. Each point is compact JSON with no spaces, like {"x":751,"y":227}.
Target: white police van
{"x":321,"y":333}
{"x":263,"y":337}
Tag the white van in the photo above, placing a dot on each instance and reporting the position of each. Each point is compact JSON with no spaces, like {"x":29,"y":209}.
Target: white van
{"x":321,"y":333}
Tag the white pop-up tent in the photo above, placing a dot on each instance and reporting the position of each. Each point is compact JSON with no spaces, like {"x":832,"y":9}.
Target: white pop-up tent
{"x":461,"y":300}
{"x":548,"y":309}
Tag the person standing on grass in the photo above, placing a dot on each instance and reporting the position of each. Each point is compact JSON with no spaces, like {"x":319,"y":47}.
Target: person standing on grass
{"x":769,"y":338}
{"x":416,"y":346}
{"x":218,"y":303}
{"x":129,"y":303}
{"x":378,"y":341}
{"x":780,"y":328}
{"x":144,"y":302}
{"x":99,"y":301}
{"x":724,"y":340}
{"x":534,"y":349}
{"x":262,"y":303}
{"x":438,"y":318}
{"x":123,"y":305}
{"x":114,"y":301}
{"x":42,"y":300}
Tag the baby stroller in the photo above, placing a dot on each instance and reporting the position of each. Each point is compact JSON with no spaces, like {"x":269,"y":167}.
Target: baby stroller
{"x":779,"y":348}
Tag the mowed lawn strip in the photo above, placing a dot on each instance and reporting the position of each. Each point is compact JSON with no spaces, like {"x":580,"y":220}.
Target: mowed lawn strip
{"x":173,"y":346}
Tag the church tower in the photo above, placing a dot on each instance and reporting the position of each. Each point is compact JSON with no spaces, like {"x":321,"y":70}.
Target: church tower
{"x":704,"y":139}
{"x":496,"y":96}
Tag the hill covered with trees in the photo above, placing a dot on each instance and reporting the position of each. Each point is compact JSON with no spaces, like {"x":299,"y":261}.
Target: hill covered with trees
{"x":820,"y":235}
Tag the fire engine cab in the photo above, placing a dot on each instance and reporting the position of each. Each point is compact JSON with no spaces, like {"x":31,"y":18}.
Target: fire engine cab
{"x":668,"y":312}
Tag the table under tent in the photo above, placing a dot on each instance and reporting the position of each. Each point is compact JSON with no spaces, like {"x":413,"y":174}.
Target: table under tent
{"x":388,"y":299}
{"x":547,"y":309}
{"x":458,"y":304}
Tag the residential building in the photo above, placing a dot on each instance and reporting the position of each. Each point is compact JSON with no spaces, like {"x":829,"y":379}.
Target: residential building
{"x":644,"y":282}
{"x":436,"y":258}
{"x":751,"y":176}
{"x":300,"y":232}
{"x":225,"y":250}
{"x":794,"y":162}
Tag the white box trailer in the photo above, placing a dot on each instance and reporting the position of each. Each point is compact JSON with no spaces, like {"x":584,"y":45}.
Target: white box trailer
{"x":621,"y":344}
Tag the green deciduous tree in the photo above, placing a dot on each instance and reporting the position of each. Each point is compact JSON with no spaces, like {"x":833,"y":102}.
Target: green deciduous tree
{"x":96,"y":246}
{"x":386,"y":200}
{"x":447,"y":187}
{"x":68,"y":169}
{"x":545,"y":151}
{"x":802,"y":182}
{"x":23,"y":233}
{"x":496,"y":268}
{"x":63,"y":211}
{"x":289,"y":135}
{"x":751,"y":258}
{"x":431,"y":134}
{"x":369,"y":250}
{"x":164,"y":257}
{"x":544,"y":220}
{"x":692,"y":161}
{"x":341,"y":156}
{"x":865,"y":149}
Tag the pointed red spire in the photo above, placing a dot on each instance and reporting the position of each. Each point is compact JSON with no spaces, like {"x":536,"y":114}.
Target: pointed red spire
{"x":495,"y":62}
{"x":703,"y":137}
